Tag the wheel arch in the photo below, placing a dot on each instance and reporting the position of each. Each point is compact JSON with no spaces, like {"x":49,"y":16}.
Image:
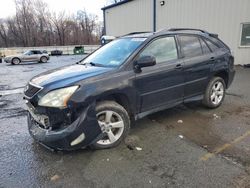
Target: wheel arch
{"x":224,"y":75}
{"x":121,"y":99}
{"x":16,"y":58}
{"x":43,"y":56}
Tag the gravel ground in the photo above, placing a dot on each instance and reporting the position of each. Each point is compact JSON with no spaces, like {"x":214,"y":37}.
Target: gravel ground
{"x":187,"y":146}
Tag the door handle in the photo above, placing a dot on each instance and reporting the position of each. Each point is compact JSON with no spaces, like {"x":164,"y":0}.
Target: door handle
{"x":212,"y":58}
{"x":178,"y":66}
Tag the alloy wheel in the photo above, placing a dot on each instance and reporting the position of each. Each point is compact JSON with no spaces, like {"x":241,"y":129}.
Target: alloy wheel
{"x":16,"y":61}
{"x":112,"y":126}
{"x":44,"y":59}
{"x":217,"y":93}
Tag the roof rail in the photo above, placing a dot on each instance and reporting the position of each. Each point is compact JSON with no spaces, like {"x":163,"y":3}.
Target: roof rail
{"x":191,"y":29}
{"x":134,"y":33}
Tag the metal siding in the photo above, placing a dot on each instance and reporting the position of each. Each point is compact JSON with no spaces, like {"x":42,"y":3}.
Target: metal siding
{"x":218,"y":16}
{"x":129,"y":17}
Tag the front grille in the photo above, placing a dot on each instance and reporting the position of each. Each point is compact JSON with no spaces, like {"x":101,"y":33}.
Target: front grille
{"x":31,"y":90}
{"x":40,"y":119}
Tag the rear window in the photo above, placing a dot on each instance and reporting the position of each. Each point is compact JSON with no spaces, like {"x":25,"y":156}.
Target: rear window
{"x":190,"y":45}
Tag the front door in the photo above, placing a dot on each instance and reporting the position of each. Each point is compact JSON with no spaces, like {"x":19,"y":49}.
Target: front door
{"x":162,"y":84}
{"x":30,"y":56}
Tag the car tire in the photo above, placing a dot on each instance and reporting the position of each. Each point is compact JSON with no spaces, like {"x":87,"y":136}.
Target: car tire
{"x":215,"y":93}
{"x":43,"y":59}
{"x":15,"y":61}
{"x":114,"y":122}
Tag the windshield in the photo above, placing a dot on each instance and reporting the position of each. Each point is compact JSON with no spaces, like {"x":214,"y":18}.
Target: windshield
{"x":27,"y":53}
{"x":114,"y":53}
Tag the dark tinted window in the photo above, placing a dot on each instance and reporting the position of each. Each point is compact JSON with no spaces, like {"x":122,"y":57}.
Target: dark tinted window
{"x":190,"y":46}
{"x":37,"y":52}
{"x":211,"y":45}
{"x":163,"y":49}
{"x":204,"y":46}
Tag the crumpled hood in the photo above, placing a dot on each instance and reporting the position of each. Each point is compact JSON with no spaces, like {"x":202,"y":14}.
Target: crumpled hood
{"x":68,"y":74}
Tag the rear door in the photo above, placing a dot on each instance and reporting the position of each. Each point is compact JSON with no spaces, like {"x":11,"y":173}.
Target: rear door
{"x":197,"y":64}
{"x":37,"y":55}
{"x":161,"y":84}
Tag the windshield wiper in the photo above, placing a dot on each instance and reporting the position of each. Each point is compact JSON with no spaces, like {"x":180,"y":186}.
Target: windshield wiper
{"x":93,"y":64}
{"x":90,"y":63}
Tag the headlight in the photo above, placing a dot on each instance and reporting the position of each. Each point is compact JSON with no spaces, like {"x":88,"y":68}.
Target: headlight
{"x":57,"y":98}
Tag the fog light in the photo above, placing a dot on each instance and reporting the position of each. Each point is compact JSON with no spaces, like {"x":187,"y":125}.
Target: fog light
{"x":78,"y":140}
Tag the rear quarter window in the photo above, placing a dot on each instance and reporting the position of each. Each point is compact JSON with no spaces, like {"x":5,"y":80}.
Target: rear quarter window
{"x":211,"y":45}
{"x":204,"y":46}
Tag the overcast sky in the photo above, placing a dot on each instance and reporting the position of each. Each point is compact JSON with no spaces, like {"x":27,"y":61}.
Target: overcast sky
{"x":7,"y":7}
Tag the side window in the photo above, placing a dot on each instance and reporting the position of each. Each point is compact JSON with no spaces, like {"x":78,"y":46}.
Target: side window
{"x":163,"y":49}
{"x":31,"y":53}
{"x":211,"y":45}
{"x":190,"y":45}
{"x":204,"y":46}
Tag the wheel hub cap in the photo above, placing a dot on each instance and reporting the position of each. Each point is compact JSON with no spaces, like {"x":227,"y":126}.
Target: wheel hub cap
{"x":112,"y":126}
{"x":217,"y":93}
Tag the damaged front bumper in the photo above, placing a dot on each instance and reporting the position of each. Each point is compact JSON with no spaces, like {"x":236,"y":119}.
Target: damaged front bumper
{"x":83,"y":131}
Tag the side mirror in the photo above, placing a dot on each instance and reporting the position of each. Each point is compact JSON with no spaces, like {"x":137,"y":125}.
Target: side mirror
{"x":145,"y":61}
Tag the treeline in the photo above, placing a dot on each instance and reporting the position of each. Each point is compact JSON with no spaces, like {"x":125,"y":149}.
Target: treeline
{"x":35,"y":25}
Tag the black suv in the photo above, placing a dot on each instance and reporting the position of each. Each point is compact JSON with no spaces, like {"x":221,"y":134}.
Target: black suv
{"x":93,"y":102}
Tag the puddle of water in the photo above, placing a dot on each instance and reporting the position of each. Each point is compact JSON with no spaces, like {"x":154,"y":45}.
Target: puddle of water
{"x":206,"y":131}
{"x":13,"y":112}
{"x":11,"y":91}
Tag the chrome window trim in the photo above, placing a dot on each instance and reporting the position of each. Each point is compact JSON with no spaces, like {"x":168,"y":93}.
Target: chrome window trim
{"x":30,"y":83}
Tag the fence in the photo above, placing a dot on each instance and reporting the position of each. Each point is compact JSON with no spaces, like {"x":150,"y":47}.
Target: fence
{"x":66,"y":49}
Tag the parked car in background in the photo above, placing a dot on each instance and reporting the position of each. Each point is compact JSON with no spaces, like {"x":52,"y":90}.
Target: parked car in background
{"x":56,"y":52}
{"x":28,"y":56}
{"x":94,"y":102}
{"x":78,"y":50}
{"x":1,"y":57}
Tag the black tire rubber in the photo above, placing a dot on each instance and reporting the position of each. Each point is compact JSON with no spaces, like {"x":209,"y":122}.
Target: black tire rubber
{"x":42,"y":61}
{"x":207,"y":100}
{"x":12,"y":62}
{"x":112,"y":105}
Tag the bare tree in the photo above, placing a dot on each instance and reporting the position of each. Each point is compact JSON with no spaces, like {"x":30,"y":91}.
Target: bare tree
{"x":35,"y":25}
{"x":3,"y":33}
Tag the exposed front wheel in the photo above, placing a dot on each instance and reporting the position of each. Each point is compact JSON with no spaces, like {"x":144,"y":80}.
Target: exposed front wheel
{"x":15,"y":61}
{"x":43,"y":59}
{"x":114,"y":122}
{"x":215,"y":93}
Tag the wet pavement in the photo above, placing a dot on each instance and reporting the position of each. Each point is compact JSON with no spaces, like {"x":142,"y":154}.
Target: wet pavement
{"x":187,"y":146}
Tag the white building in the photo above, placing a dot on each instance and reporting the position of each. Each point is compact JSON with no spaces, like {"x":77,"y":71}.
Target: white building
{"x":228,"y":18}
